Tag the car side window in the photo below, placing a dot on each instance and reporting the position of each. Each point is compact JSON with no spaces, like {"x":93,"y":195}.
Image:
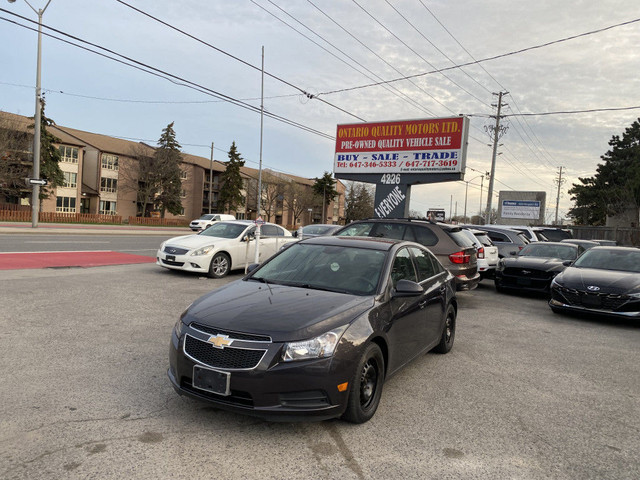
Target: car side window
{"x":268,"y":231}
{"x":424,"y":236}
{"x":388,"y":230}
{"x":402,"y":267}
{"x":357,"y":230}
{"x":424,"y":265}
{"x":498,"y":237}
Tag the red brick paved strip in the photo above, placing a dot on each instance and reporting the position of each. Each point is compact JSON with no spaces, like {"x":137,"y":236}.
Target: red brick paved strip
{"x":23,"y":260}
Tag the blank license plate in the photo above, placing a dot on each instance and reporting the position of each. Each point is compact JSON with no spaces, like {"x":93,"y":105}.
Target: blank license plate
{"x":523,"y":281}
{"x":171,"y":258}
{"x":592,"y":301}
{"x":212,"y":381}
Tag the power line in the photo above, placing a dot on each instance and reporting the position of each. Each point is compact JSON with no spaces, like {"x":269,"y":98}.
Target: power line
{"x":163,"y":74}
{"x":275,"y":77}
{"x":477,"y":62}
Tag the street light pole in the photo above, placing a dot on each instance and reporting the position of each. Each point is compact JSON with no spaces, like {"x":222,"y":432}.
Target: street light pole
{"x":35,"y":197}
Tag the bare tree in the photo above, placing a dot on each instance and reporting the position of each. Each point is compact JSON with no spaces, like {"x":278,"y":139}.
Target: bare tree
{"x":273,"y":186}
{"x":15,"y":162}
{"x":143,"y":178}
{"x":298,"y":199}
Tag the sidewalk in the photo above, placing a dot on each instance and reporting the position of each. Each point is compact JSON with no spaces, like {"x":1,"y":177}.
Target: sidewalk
{"x":86,"y":229}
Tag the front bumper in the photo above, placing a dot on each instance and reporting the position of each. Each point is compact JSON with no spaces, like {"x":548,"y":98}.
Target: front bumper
{"x":187,"y":263}
{"x":536,"y":282}
{"x":272,"y":390}
{"x":616,"y":306}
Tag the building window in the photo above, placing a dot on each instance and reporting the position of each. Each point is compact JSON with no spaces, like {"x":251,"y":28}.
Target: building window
{"x":107,"y":207}
{"x":241,"y":216}
{"x":183,"y":174}
{"x":182,"y":211}
{"x":70,"y":180}
{"x":183,"y":193}
{"x":108,"y":185}
{"x":110,"y":162}
{"x":68,"y":154}
{"x":66,"y":204}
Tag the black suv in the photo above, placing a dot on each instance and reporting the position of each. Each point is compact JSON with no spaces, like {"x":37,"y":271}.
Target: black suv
{"x":454,"y":250}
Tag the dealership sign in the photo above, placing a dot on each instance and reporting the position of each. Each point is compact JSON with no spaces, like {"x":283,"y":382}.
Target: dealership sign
{"x":427,"y":146}
{"x":525,"y":209}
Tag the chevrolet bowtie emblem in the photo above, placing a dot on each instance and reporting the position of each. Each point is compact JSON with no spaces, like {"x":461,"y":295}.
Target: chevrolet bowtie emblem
{"x":220,"y":341}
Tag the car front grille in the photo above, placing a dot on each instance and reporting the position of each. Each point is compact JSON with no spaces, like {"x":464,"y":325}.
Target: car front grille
{"x":528,"y":273}
{"x":227,"y":358}
{"x":175,"y":250}
{"x":581,"y":298}
{"x":172,"y":263}
{"x":233,"y":335}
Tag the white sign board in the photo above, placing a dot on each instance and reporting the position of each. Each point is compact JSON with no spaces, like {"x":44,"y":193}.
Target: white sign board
{"x":525,"y":209}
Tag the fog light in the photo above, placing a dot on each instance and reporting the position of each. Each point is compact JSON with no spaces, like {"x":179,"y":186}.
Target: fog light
{"x":343,"y":387}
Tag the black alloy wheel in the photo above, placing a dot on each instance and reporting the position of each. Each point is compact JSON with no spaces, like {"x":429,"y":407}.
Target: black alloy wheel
{"x":448,"y":332}
{"x":366,"y":387}
{"x":220,"y":264}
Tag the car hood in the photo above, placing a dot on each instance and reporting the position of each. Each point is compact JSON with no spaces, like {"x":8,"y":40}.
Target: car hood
{"x":284,"y":313}
{"x":607,"y":280}
{"x":534,"y":263}
{"x":194,"y":241}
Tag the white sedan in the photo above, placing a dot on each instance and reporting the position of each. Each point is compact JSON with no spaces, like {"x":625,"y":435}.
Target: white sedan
{"x":222,"y":247}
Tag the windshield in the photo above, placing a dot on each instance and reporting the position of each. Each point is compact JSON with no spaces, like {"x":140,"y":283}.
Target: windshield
{"x":224,"y":230}
{"x":208,"y":216}
{"x":317,"y":229}
{"x":349,"y":270}
{"x":563,"y":252}
{"x":610,"y":259}
{"x":555,"y":234}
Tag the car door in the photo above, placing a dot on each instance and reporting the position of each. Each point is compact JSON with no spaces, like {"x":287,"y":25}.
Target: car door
{"x":243,"y":248}
{"x":406,"y":330}
{"x":268,"y":241}
{"x":431,"y":276}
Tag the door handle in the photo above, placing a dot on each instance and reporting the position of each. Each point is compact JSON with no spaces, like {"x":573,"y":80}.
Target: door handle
{"x":422,"y":304}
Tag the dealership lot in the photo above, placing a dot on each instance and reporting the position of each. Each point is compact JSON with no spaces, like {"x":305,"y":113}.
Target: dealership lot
{"x":523,"y":394}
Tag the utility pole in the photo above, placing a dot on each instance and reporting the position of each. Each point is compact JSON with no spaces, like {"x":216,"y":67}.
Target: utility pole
{"x":496,"y":133}
{"x":259,"y":216}
{"x":211,"y":178}
{"x":560,"y":182}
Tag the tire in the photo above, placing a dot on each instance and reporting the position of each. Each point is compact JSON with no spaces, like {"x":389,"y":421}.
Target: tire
{"x":220,"y":265}
{"x":448,"y":332}
{"x":366,"y":387}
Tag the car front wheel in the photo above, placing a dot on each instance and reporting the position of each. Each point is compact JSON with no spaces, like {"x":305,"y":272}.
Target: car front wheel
{"x":366,"y":387}
{"x":220,"y":264}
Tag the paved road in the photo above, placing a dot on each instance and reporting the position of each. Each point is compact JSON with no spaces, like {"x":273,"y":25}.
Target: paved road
{"x":525,"y":394}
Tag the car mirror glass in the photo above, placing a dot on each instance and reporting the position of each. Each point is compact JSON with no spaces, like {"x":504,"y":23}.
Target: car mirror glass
{"x":567,"y":263}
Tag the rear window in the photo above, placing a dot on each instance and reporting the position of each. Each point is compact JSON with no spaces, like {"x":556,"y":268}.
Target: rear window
{"x":484,"y":239}
{"x":460,"y":238}
{"x":555,"y":234}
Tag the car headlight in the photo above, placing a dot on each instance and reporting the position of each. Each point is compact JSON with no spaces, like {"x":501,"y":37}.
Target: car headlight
{"x":635,"y":295}
{"x":203,"y":251}
{"x":319,"y":347}
{"x":555,"y":282}
{"x":177,"y":328}
{"x":162,"y":245}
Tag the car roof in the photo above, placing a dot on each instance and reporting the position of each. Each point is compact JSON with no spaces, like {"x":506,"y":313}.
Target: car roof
{"x":373,"y":243}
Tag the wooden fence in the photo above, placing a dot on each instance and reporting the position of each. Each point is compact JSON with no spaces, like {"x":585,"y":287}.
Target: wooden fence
{"x":625,"y":236}
{"x":156,"y":221}
{"x":57,"y":217}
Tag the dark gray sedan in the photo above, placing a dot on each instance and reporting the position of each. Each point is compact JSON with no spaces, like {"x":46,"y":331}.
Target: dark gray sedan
{"x":314,"y":332}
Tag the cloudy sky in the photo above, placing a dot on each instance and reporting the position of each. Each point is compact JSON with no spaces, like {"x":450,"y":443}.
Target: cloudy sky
{"x":334,"y":51}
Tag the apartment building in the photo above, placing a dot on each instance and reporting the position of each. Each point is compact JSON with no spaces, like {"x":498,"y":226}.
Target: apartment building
{"x":100,"y":177}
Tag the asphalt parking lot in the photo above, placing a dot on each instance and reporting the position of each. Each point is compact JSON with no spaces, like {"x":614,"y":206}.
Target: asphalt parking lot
{"x":524,"y":394}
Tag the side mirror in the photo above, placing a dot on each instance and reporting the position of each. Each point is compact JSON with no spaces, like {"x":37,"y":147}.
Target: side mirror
{"x":252,"y":267}
{"x":513,"y":252}
{"x":567,"y":263}
{"x":407,"y":288}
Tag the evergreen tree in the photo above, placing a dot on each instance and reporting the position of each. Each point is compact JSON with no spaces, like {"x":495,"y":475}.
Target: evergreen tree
{"x":616,"y":185}
{"x":230,"y":196}
{"x":325,"y":187}
{"x":167,"y":160}
{"x":358,"y":202}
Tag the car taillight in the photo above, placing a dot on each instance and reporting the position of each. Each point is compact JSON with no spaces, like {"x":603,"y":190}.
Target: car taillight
{"x":460,"y":257}
{"x":521,"y":247}
{"x":481,"y":252}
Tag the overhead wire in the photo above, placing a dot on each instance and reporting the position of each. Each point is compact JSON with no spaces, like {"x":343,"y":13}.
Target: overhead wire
{"x":163,"y":74}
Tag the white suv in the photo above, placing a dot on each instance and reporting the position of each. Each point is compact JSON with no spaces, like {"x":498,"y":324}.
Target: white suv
{"x":209,"y":219}
{"x":487,"y":251}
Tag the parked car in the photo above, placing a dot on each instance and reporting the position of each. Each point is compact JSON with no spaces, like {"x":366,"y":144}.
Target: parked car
{"x":604,"y":281}
{"x":205,"y":221}
{"x":607,"y":243}
{"x":586,"y":244}
{"x":506,"y":239}
{"x":222,"y":247}
{"x":540,"y":234}
{"x":316,"y":230}
{"x":533,"y":267}
{"x":314,"y":331}
{"x":487,"y":252}
{"x":447,"y":242}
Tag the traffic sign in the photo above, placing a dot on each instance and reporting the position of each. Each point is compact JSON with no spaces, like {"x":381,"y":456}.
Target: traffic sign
{"x":259,"y":221}
{"x":37,"y":181}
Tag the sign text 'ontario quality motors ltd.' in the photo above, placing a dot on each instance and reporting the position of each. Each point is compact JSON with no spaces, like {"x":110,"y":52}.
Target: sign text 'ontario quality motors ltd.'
{"x":410,"y":146}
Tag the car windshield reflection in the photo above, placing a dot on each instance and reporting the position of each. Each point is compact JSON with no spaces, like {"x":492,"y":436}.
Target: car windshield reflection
{"x":549,"y":251}
{"x":610,"y":259}
{"x":223,"y":230}
{"x":354,"y":271}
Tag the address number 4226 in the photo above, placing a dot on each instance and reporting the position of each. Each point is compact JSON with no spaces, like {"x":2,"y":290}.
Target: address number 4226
{"x":390,"y":178}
